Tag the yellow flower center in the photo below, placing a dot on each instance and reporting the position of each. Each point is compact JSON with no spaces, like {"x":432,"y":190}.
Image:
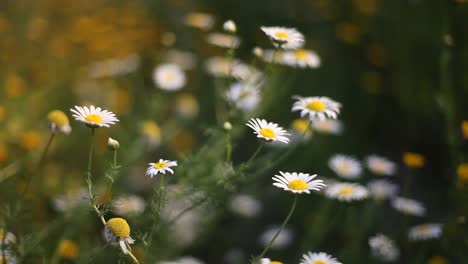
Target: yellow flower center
{"x":57,"y":117}
{"x":462,"y":172}
{"x":424,"y":229}
{"x":301,"y":54}
{"x":346,"y":191}
{"x":267,"y":133}
{"x":319,"y":262}
{"x":160,"y":165}
{"x":298,"y":185}
{"x":413,"y":160}
{"x":344,"y":168}
{"x":169,"y":76}
{"x":119,"y":227}
{"x":282,"y":35}
{"x":93,"y":118}
{"x":68,"y":249}
{"x":301,"y":125}
{"x":316,"y":105}
{"x":276,"y":262}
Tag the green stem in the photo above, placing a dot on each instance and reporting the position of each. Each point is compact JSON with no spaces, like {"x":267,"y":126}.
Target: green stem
{"x":158,"y":207}
{"x":267,"y":247}
{"x":228,"y":146}
{"x":255,"y":154}
{"x":89,"y":180}
{"x":133,"y":258}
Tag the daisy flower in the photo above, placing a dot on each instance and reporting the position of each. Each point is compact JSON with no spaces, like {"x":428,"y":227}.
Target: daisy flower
{"x":346,"y":192}
{"x":245,"y":205}
{"x":409,"y":206}
{"x":384,"y":248}
{"x":300,"y":129}
{"x":345,"y":166}
{"x":380,"y":165}
{"x":160,"y":167}
{"x":328,"y":126}
{"x":425,"y":232}
{"x":230,"y":26}
{"x":318,"y":258}
{"x":94,"y":116}
{"x":169,"y":77}
{"x":58,"y":122}
{"x":129,"y":205}
{"x":68,"y":249}
{"x":118,"y":231}
{"x":223,"y":40}
{"x":199,"y":20}
{"x":316,"y":107}
{"x":382,"y":189}
{"x":413,"y":160}
{"x":284,"y":238}
{"x":268,"y":131}
{"x":301,"y":58}
{"x":244,"y":96}
{"x":282,"y":37}
{"x":268,"y":261}
{"x":297,"y":182}
{"x":185,"y":59}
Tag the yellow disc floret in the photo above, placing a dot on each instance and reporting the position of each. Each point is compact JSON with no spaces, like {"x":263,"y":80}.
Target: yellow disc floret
{"x":93,"y":118}
{"x":160,"y":165}
{"x":346,"y":191}
{"x":413,"y":160}
{"x":119,"y":227}
{"x":68,"y":249}
{"x":281,"y":35}
{"x":58,"y":118}
{"x":276,"y":262}
{"x":298,"y":185}
{"x":319,"y":262}
{"x":267,"y":132}
{"x":316,"y":105}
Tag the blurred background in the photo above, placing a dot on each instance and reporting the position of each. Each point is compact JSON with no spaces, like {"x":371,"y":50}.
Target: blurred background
{"x":397,"y":67}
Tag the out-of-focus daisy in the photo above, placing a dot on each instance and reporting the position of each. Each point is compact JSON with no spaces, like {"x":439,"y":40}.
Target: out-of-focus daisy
{"x":268,"y":261}
{"x":316,"y":107}
{"x":129,"y":205}
{"x":409,"y":206}
{"x":244,"y":96}
{"x":185,"y":59}
{"x":151,"y":132}
{"x":268,"y":131}
{"x":297,"y":182}
{"x":245,"y":205}
{"x":223,"y":40}
{"x":345,"y":166}
{"x":318,"y":258}
{"x":413,"y":160}
{"x":8,"y":258}
{"x":186,"y":105}
{"x":273,"y":56}
{"x":168,"y":39}
{"x":384,"y":248}
{"x":286,"y":38}
{"x":118,"y":231}
{"x":282,"y":240}
{"x":380,"y":165}
{"x":257,"y":51}
{"x":68,"y":249}
{"x":114,"y":66}
{"x":328,"y":126}
{"x":169,"y":77}
{"x":346,"y":192}
{"x":301,"y":58}
{"x":382,"y":189}
{"x":199,"y":20}
{"x":162,"y":166}
{"x":425,"y":232}
{"x":58,"y":122}
{"x":183,"y":260}
{"x":220,"y":66}
{"x":230,"y":26}
{"x":300,"y":129}
{"x":462,"y":172}
{"x":70,"y":200}
{"x":94,"y":116}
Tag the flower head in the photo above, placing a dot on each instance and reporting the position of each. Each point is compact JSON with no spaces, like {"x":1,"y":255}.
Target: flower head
{"x":425,"y":232}
{"x":245,"y":205}
{"x":301,"y":58}
{"x":129,"y":205}
{"x":169,"y":77}
{"x":346,"y":192}
{"x":112,"y":144}
{"x":230,"y":26}
{"x":384,"y":248}
{"x":297,"y":182}
{"x":345,"y":166}
{"x":268,"y":131}
{"x":413,"y":160}
{"x":151,"y":132}
{"x":380,"y":165}
{"x":68,"y":249}
{"x":162,"y":166}
{"x":283,"y":240}
{"x":118,"y":231}
{"x":382,"y":189}
{"x":244,"y":96}
{"x":268,"y":261}
{"x":94,"y":116}
{"x":58,"y":121}
{"x":328,"y":126}
{"x":409,"y":206}
{"x":316,"y":107}
{"x":282,"y":37}
{"x":199,"y":20}
{"x":223,"y":40}
{"x":318,"y":258}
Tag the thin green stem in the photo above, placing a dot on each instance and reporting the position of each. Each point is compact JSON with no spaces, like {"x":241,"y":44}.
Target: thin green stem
{"x":159,"y":193}
{"x":133,"y":258}
{"x":228,"y":146}
{"x":267,"y":247}
{"x":255,"y":154}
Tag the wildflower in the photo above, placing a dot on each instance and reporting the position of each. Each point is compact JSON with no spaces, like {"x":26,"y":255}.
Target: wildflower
{"x":384,"y":248}
{"x":118,"y":231}
{"x":382,"y":189}
{"x":227,"y":126}
{"x":268,"y":261}
{"x":409,"y":206}
{"x":169,"y":77}
{"x":301,"y":127}
{"x":199,"y":20}
{"x":462,"y":172}
{"x":223,"y":40}
{"x":318,"y":258}
{"x":230,"y":26}
{"x":464,"y":127}
{"x":328,"y":126}
{"x":425,"y":232}
{"x":346,"y":192}
{"x":162,"y":166}
{"x":70,"y":200}
{"x":245,"y":205}
{"x":186,"y":105}
{"x":151,"y":132}
{"x":94,"y":116}
{"x":282,"y":240}
{"x":186,"y":60}
{"x":257,"y":51}
{"x":286,"y":38}
{"x":58,"y":121}
{"x":413,"y":160}
{"x":68,"y":249}
{"x":316,"y":107}
{"x":244,"y":96}
{"x":268,"y":131}
{"x":184,"y":260}
{"x":129,"y":205}
{"x":297,"y":182}
{"x":345,"y":166}
{"x":30,"y":140}
{"x":112,"y":144}
{"x":301,"y":58}
{"x":380,"y":165}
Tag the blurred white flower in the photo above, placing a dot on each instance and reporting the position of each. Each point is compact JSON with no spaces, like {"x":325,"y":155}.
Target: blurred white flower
{"x":244,"y":96}
{"x":345,"y":166}
{"x":230,"y":26}
{"x":328,"y":126}
{"x":301,"y":58}
{"x":382,"y":189}
{"x":128,"y":205}
{"x":409,"y":206}
{"x":384,"y":248}
{"x":380,"y":165}
{"x":245,"y":205}
{"x":169,"y":77}
{"x":114,"y":67}
{"x":203,"y":21}
{"x":69,"y":200}
{"x":317,"y":107}
{"x":286,"y":38}
{"x":318,"y":258}
{"x":281,"y":241}
{"x":346,"y":192}
{"x":425,"y":232}
{"x":223,"y":40}
{"x":185,"y":59}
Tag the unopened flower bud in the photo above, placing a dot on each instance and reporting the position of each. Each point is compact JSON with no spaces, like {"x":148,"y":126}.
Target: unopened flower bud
{"x":257,"y":51}
{"x":227,"y":125}
{"x":113,"y":144}
{"x":230,"y":26}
